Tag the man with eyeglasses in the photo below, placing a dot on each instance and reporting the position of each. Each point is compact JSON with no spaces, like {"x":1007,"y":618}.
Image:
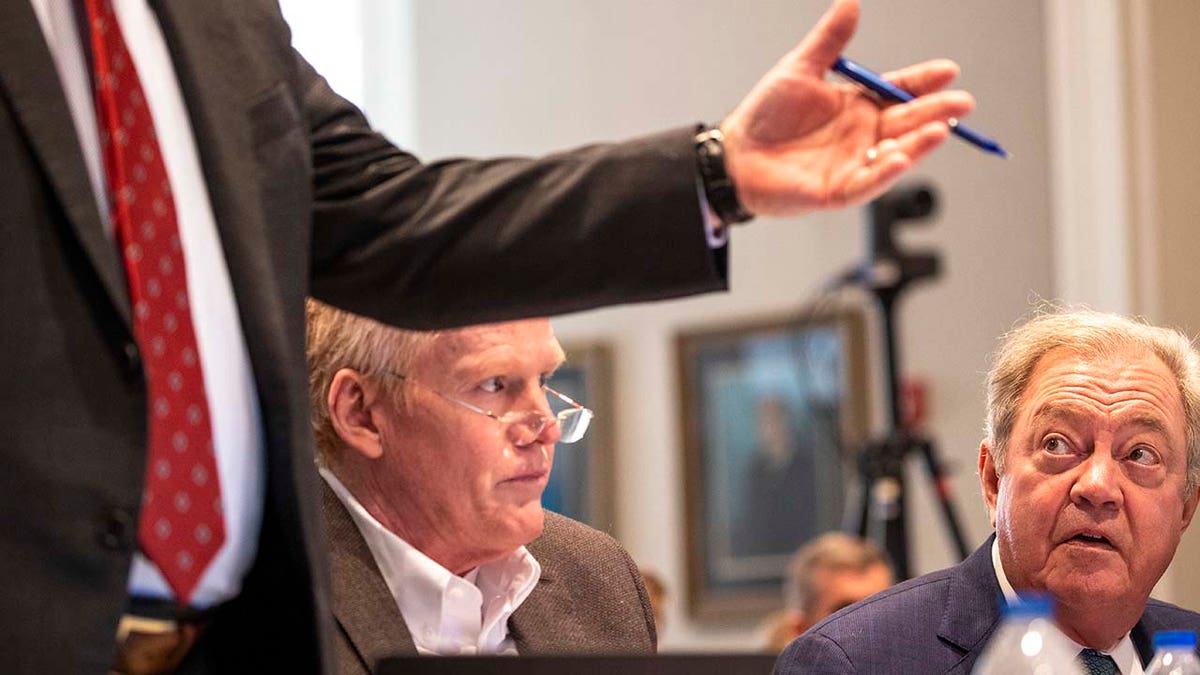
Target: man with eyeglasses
{"x":435,"y":449}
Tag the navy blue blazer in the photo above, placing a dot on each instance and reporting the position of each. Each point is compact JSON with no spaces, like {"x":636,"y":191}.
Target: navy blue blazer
{"x":938,"y":623}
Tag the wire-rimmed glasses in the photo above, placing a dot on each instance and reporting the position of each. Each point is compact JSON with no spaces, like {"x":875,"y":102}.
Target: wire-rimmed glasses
{"x":572,"y":421}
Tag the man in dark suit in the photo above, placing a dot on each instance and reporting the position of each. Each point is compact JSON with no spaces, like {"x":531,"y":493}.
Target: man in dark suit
{"x":435,"y":449}
{"x":208,"y":140}
{"x":1091,"y":474}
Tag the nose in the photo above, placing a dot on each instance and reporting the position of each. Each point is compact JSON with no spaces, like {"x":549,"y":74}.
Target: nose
{"x":535,"y":428}
{"x":539,"y":425}
{"x":1099,"y":484}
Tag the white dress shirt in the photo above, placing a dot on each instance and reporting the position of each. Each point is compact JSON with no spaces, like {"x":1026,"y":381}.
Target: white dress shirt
{"x":446,"y":614}
{"x":229,"y":382}
{"x":1124,"y":653}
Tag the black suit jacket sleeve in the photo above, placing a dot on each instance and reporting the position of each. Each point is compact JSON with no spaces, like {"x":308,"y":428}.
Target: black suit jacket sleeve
{"x":463,"y":241}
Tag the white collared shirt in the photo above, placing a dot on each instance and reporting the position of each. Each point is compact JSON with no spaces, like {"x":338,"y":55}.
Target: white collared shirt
{"x":446,"y":614}
{"x":228,"y":381}
{"x":1124,"y":653}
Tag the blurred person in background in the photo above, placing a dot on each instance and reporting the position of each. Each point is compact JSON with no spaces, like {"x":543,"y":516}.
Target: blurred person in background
{"x":832,"y":571}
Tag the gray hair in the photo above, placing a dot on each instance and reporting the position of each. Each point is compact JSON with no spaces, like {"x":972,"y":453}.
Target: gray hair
{"x":1089,"y":334}
{"x":336,"y":340}
{"x":834,"y":552}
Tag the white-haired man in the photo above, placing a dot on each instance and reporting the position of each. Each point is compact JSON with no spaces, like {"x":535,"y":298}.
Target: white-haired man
{"x":435,"y":450}
{"x":1090,"y":472}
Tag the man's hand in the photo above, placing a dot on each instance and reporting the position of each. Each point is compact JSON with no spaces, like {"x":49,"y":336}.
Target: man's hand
{"x":798,"y":143}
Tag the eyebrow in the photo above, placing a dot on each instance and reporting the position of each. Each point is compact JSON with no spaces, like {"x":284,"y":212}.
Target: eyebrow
{"x":1071,"y":413}
{"x":477,"y":366}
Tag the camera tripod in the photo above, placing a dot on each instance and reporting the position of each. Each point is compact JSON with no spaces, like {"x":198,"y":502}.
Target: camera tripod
{"x":885,"y":274}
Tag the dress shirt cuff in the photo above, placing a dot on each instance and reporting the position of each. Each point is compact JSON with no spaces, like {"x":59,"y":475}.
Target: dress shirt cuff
{"x":715,"y":232}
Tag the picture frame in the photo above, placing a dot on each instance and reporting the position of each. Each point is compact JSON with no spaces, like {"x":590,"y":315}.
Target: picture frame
{"x":773,"y":413}
{"x":581,"y":484}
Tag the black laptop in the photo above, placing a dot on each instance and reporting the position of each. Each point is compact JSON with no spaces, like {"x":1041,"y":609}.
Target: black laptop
{"x":661,"y":664}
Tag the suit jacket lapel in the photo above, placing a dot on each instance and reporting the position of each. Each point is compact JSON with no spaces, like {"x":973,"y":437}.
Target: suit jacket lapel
{"x":532,"y":626}
{"x":1143,"y":632}
{"x":1143,"y":641}
{"x":972,"y":603}
{"x":219,"y":81}
{"x":362,"y":603}
{"x":28,"y":75}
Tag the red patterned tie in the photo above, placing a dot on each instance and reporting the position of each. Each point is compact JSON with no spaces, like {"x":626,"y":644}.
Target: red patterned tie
{"x":181,"y":527}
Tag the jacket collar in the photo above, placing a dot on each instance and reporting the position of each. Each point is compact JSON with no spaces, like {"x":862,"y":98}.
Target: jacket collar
{"x":362,"y":604}
{"x":31,"y":83}
{"x":973,"y":601}
{"x":548,"y":598}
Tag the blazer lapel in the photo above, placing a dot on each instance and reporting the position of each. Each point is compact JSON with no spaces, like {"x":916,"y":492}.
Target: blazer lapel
{"x":972,"y":603}
{"x":218,"y":81}
{"x":362,"y":603}
{"x":1143,"y":640}
{"x":532,"y":626}
{"x":28,"y":75}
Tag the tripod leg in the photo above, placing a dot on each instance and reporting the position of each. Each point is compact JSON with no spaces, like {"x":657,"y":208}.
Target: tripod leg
{"x":943,"y":492}
{"x":890,"y":496}
{"x":881,"y":471}
{"x":866,"y":479}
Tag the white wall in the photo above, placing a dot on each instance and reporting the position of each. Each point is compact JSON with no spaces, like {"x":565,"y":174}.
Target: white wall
{"x":531,"y":76}
{"x":527,"y":76}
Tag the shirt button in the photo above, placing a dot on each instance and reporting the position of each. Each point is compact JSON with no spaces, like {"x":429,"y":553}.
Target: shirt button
{"x":133,"y":360}
{"x":117,"y":530}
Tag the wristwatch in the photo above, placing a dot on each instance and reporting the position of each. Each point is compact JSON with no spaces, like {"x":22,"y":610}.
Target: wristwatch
{"x":719,"y":189}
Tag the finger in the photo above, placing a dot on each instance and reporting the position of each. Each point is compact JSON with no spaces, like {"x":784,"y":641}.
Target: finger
{"x":817,"y":52}
{"x":892,"y":158}
{"x":871,"y":180}
{"x":940,"y":107}
{"x":918,"y":143}
{"x":886,"y":147}
{"x":923,"y":78}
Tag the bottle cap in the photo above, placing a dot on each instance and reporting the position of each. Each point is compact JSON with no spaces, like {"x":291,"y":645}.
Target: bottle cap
{"x":1174,"y":639}
{"x":1032,"y":605}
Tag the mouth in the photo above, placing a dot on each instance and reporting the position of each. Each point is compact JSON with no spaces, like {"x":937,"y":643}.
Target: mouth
{"x":530,"y":478}
{"x":1091,"y":540}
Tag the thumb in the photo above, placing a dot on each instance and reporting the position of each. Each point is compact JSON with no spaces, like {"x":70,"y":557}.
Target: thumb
{"x":821,"y":47}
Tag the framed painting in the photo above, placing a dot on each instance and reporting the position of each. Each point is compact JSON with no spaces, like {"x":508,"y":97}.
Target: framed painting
{"x":581,"y":481}
{"x":773,"y":414}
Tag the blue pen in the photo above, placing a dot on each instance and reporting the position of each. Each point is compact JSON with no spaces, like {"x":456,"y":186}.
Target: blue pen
{"x":887,"y":91}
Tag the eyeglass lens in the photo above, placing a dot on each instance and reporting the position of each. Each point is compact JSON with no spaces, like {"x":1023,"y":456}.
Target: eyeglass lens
{"x":573,"y":424}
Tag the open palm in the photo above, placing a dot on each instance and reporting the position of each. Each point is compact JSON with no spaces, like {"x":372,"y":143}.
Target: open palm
{"x":798,"y":143}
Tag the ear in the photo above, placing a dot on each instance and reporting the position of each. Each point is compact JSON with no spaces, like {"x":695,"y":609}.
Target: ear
{"x":798,"y":622}
{"x":1189,"y":508}
{"x":353,"y":403}
{"x":989,"y":480}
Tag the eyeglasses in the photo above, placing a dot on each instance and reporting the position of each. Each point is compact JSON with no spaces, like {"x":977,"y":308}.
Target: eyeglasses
{"x":572,"y":421}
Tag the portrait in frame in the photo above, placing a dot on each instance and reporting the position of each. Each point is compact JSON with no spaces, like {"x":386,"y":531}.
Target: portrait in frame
{"x":773,"y":413}
{"x":581,"y":480}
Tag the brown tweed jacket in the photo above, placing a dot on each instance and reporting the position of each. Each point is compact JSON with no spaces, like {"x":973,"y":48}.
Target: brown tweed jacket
{"x":590,"y":598}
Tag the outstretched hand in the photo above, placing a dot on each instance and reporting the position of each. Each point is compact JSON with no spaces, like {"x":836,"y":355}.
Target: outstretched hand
{"x":798,"y":143}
